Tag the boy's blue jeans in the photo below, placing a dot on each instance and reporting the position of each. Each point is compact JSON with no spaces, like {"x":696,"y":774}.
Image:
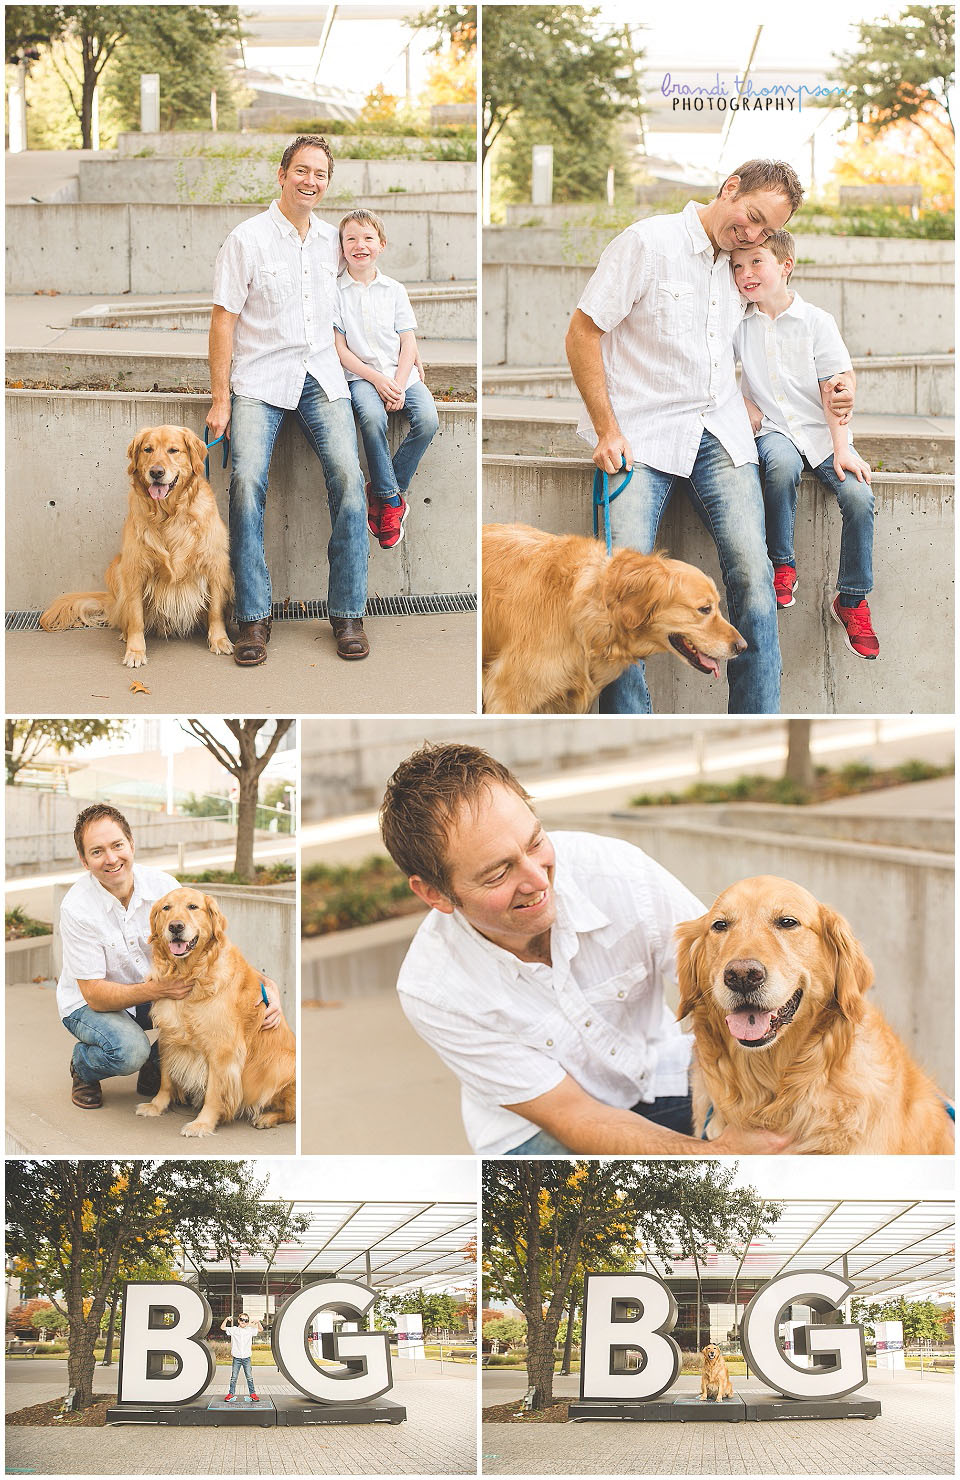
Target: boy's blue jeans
{"x":781,"y":468}
{"x":728,"y":501}
{"x":391,"y":475}
{"x":328,"y":427}
{"x":110,"y":1043}
{"x":247,"y":1364}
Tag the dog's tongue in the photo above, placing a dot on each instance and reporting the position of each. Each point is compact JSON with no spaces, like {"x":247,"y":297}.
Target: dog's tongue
{"x":710,"y":663}
{"x":178,"y":947}
{"x":750,"y":1024}
{"x":158,"y":490}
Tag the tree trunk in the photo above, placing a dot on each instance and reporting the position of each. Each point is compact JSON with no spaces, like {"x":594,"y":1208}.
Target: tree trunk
{"x":246,"y":817}
{"x":799,"y":766}
{"x":108,"y":1348}
{"x":568,"y":1342}
{"x":541,"y":1341}
{"x":81,"y":1362}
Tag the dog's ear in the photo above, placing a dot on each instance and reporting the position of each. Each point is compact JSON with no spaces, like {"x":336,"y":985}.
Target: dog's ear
{"x":853,"y":973}
{"x":153,"y":937}
{"x":133,"y":451}
{"x":218,"y":921}
{"x":196,"y":450}
{"x":634,"y":586}
{"x":689,"y":938}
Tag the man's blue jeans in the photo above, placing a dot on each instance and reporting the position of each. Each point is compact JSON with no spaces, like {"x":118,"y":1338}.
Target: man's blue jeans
{"x":729,"y":503}
{"x":110,"y":1044}
{"x":672,"y":1111}
{"x":390,"y":475}
{"x":247,"y":1364}
{"x":781,"y":468}
{"x":328,"y":427}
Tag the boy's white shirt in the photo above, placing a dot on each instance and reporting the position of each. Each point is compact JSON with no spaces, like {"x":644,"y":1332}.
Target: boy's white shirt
{"x":783,"y":361}
{"x":371,"y":317}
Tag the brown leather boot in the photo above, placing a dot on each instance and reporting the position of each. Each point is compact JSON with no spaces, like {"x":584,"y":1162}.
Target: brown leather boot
{"x":250,"y":648}
{"x":85,"y":1093}
{"x":351,"y":639}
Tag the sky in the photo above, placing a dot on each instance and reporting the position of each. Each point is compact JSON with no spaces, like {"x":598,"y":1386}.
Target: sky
{"x":847,"y":1176}
{"x":387,"y":1178}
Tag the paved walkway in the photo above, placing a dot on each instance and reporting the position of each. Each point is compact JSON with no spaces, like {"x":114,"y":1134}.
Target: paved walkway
{"x":42,"y":1120}
{"x":912,"y":1436}
{"x":438,"y":1438}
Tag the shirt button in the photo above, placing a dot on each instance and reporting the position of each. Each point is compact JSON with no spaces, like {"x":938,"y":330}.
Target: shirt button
{"x":613,"y":1052}
{"x":621,"y":994}
{"x":549,"y":1042}
{"x":588,"y":1022}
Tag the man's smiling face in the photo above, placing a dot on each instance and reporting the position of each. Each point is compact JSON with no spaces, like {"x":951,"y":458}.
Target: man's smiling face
{"x":303,"y":182}
{"x":108,"y":855}
{"x":747,"y":220}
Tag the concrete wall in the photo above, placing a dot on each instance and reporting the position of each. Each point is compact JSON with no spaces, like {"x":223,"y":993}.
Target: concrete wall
{"x":28,"y":960}
{"x":345,"y":763}
{"x":149,"y":181}
{"x":260,"y":922}
{"x":934,"y":834}
{"x":39,"y":828}
{"x":355,"y":963}
{"x":526,"y":310}
{"x":184,"y":144}
{"x":172,"y":248}
{"x":63,"y":528}
{"x":913,"y":559}
{"x":899,"y":903}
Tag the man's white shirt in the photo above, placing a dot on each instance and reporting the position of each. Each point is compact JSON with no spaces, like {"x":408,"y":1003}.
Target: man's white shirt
{"x":371,"y":317}
{"x":783,"y":361}
{"x":284,"y":290}
{"x":103,"y":941}
{"x":669,"y":312}
{"x":510,"y":1030}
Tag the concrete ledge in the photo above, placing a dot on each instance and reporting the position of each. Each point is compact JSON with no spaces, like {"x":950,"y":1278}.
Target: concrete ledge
{"x":187,"y":143}
{"x":62,"y":531}
{"x":527,"y":308}
{"x":355,"y":963}
{"x":172,"y":248}
{"x":166,"y":181}
{"x":933,"y":834}
{"x":914,"y":534}
{"x":28,"y":960}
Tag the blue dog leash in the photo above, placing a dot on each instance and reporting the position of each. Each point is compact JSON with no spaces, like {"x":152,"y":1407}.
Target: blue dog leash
{"x":226,"y":449}
{"x":603,"y":498}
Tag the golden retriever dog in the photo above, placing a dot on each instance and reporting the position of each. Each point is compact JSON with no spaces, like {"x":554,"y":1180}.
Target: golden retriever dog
{"x":561,"y":618}
{"x":715,"y":1383}
{"x":174,"y":561}
{"x":212,"y":1045}
{"x":774,"y":984}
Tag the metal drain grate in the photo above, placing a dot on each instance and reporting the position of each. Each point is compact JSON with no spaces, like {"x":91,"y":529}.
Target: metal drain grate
{"x":305,"y":611}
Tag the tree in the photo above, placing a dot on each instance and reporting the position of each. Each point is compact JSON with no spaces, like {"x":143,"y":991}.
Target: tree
{"x":24,"y":739}
{"x":540,"y":1216}
{"x":74,"y":1222}
{"x":452,"y":78}
{"x":799,"y":766}
{"x":456,"y":26}
{"x":246,"y":766}
{"x":903,"y":70}
{"x":188,"y":46}
{"x":505,"y":1331}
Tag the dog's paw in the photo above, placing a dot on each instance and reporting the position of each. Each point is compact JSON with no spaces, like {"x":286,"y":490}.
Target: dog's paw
{"x":220,"y":645}
{"x":197,"y":1128}
{"x":134,"y":657}
{"x":150,"y":1107}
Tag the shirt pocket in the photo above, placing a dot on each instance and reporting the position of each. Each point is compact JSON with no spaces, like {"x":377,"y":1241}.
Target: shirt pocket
{"x":675,"y":305}
{"x":275,"y":284}
{"x":796,"y":358}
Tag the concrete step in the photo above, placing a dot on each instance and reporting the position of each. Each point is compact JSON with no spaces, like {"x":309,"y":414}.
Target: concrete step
{"x":184,"y":143}
{"x":901,"y":444}
{"x":443,"y":310}
{"x":92,"y":359}
{"x":156,"y":181}
{"x":898,"y":385}
{"x":914,"y":534}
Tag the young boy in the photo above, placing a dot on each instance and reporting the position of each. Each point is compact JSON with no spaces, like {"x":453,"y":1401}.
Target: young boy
{"x":790,"y":352}
{"x":377,"y":345}
{"x":241,"y":1351}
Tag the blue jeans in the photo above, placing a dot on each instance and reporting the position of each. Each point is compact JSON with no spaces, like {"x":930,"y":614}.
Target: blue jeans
{"x":110,"y":1044}
{"x":729,"y":503}
{"x":393,"y":475}
{"x":673,"y":1111}
{"x":247,"y":1364}
{"x":781,"y":468}
{"x":328,"y":427}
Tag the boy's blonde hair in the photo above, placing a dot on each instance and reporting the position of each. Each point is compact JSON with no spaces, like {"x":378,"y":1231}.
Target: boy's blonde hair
{"x":782,"y":245}
{"x":365,"y":218}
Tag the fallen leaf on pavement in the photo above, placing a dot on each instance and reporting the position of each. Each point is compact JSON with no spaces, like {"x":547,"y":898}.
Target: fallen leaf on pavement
{"x":138,"y":688}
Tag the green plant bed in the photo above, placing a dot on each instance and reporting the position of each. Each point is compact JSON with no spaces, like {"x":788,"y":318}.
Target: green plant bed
{"x":21,"y":926}
{"x":340,"y":898}
{"x":850,"y":780}
{"x":277,"y":873}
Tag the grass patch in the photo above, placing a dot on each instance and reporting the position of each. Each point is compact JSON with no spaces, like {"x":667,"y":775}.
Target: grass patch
{"x":18,"y":925}
{"x":850,"y":780}
{"x":276,"y":873}
{"x":339,"y":898}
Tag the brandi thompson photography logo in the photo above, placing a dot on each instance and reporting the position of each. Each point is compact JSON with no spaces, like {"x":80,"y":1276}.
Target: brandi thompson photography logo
{"x":743,"y":93}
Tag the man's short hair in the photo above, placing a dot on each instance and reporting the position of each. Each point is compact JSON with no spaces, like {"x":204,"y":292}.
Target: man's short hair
{"x":782,"y":245}
{"x":423,"y":799}
{"x":99,"y":812}
{"x":769,"y":174}
{"x":306,"y":141}
{"x":365,"y":218}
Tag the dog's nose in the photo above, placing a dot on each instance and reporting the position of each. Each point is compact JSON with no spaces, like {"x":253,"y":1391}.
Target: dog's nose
{"x":744,"y":976}
{"x":175,"y":927}
{"x":740,"y":646}
{"x":156,"y":474}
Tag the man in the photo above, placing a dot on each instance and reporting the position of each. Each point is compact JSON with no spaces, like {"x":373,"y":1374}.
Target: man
{"x":537,"y":976}
{"x":650,"y":347}
{"x":274,"y":301}
{"x":105,"y":989}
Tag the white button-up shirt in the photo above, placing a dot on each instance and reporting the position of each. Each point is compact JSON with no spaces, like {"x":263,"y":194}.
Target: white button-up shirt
{"x":669,"y":312}
{"x":101,"y":940}
{"x":510,"y":1030}
{"x":783,"y":361}
{"x":284,"y":290}
{"x":371,"y":317}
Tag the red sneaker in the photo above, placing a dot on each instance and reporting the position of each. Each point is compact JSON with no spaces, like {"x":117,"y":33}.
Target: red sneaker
{"x":391,"y":523}
{"x":228,"y":1397}
{"x":859,"y":635}
{"x":784,"y":584}
{"x":254,"y":1397}
{"x":373,"y":511}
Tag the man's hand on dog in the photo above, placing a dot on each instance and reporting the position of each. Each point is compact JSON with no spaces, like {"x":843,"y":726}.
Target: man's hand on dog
{"x":271,"y":1013}
{"x":175,"y":988}
{"x":745,"y":1142}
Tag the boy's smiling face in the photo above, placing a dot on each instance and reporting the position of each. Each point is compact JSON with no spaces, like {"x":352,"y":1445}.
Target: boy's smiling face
{"x":757,"y":273}
{"x":360,"y":243}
